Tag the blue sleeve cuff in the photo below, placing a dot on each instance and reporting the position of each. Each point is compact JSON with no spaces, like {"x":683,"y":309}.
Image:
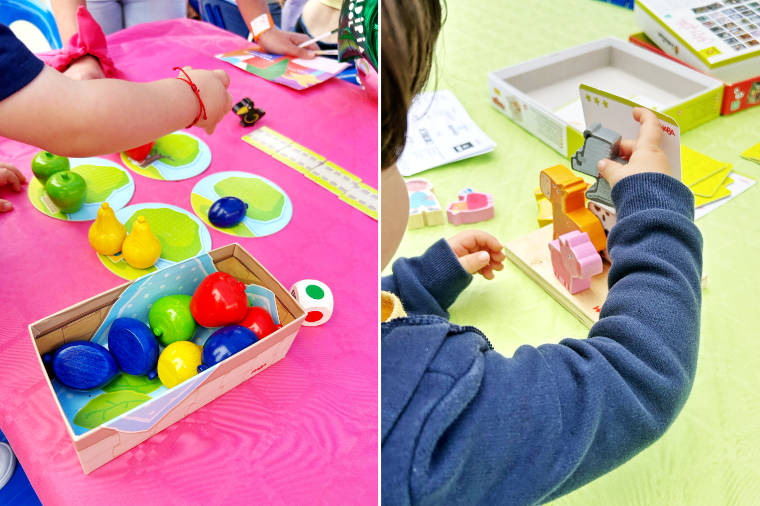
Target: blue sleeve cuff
{"x":441,"y":273}
{"x":652,"y":190}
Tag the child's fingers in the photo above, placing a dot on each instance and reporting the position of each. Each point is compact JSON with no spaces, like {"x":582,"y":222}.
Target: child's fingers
{"x":608,"y":169}
{"x":626,"y":147}
{"x":12,"y":168}
{"x":487,"y":272}
{"x":223,"y":76}
{"x":10,"y":177}
{"x":5,"y":206}
{"x":474,"y":262}
{"x":649,"y":133}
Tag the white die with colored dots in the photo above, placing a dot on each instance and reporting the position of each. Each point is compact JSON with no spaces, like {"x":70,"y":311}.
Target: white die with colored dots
{"x":316,"y":299}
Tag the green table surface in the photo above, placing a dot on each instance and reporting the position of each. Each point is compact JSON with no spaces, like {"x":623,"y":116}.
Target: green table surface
{"x":711,"y":454}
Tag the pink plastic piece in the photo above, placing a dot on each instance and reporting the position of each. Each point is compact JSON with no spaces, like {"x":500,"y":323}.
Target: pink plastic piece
{"x":575,"y":260}
{"x":471,"y":207}
{"x":90,"y":39}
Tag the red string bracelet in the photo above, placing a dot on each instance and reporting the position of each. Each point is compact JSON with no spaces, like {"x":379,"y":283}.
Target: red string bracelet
{"x":189,"y":81}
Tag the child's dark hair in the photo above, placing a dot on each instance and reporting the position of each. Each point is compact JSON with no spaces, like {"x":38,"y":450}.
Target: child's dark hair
{"x":409,"y":31}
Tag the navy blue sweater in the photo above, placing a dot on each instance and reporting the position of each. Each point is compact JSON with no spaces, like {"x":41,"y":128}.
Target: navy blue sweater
{"x":463,"y":424}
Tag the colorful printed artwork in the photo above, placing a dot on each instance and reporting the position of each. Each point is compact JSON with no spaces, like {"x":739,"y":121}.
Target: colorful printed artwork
{"x":295,"y":73}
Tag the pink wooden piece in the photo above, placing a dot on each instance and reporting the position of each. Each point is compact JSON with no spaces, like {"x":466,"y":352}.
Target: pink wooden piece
{"x":471,"y":207}
{"x":575,"y":260}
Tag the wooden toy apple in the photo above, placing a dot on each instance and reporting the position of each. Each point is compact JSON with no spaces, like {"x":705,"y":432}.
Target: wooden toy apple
{"x":224,"y":343}
{"x":133,"y":346}
{"x":67,"y":190}
{"x":259,"y":321}
{"x":171,"y":320}
{"x":219,"y":300}
{"x":46,"y":164}
{"x":140,"y":153}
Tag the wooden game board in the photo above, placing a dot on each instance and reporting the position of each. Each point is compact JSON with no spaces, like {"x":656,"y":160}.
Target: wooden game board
{"x":531,"y":254}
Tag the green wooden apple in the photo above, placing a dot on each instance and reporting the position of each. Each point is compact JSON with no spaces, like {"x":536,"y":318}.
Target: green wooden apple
{"x":67,"y":190}
{"x":46,"y":164}
{"x":171,"y":320}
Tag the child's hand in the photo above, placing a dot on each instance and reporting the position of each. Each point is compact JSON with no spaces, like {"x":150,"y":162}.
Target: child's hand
{"x":278,"y":41}
{"x":478,"y":251}
{"x":212,"y":85}
{"x":86,"y":67}
{"x":10,"y":175}
{"x":644,"y":153}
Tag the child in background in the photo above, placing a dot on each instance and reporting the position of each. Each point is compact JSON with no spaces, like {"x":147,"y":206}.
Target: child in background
{"x":463,"y":424}
{"x":40,"y":106}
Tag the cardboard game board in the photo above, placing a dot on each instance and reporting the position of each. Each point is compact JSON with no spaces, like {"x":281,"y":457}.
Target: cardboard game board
{"x":269,"y":207}
{"x":347,"y":186}
{"x":295,"y":73}
{"x":185,"y":156}
{"x":182,"y":236}
{"x":107,"y":181}
{"x":530,"y":253}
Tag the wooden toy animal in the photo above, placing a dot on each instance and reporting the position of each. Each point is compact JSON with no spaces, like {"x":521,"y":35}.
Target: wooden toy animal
{"x":424,"y":208}
{"x":565,"y":191}
{"x":471,"y":207}
{"x":599,"y":142}
{"x":575,"y":260}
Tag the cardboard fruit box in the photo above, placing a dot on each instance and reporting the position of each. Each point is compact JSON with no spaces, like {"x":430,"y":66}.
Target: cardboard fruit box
{"x":541,"y":95}
{"x":102,"y":443}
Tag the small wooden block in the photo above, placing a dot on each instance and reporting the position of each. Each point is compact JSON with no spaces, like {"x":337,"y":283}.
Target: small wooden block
{"x":424,"y":208}
{"x":544,"y":208}
{"x":531,"y":255}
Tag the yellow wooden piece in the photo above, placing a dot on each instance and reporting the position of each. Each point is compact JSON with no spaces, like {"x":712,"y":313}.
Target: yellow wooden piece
{"x":141,"y":248}
{"x":106,"y":234}
{"x":566,"y":192}
{"x":544,"y":208}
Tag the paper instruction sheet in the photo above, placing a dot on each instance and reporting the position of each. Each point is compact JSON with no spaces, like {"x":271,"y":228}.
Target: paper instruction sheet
{"x":439,"y":132}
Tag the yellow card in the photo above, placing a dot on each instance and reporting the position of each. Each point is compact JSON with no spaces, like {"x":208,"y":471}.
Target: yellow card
{"x":722,"y":193}
{"x":708,"y":187}
{"x":697,"y":167}
{"x":753,"y":153}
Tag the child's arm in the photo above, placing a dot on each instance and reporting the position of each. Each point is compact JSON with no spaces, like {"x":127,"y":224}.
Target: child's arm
{"x":430,"y":283}
{"x":275,"y":40}
{"x":85,"y":118}
{"x":65,"y":13}
{"x":530,"y":428}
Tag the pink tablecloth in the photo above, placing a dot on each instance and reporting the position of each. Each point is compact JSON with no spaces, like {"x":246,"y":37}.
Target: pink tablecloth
{"x":303,"y":431}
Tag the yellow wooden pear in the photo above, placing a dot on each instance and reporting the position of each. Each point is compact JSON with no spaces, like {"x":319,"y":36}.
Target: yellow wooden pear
{"x":141,"y":248}
{"x":107,"y":233}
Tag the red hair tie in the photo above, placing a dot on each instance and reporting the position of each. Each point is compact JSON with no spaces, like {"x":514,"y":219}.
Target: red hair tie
{"x":189,"y":81}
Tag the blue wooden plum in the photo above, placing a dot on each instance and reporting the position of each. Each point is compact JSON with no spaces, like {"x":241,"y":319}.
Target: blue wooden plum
{"x":227,"y":212}
{"x":134,"y":347}
{"x":224,"y":343}
{"x":83,"y":365}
